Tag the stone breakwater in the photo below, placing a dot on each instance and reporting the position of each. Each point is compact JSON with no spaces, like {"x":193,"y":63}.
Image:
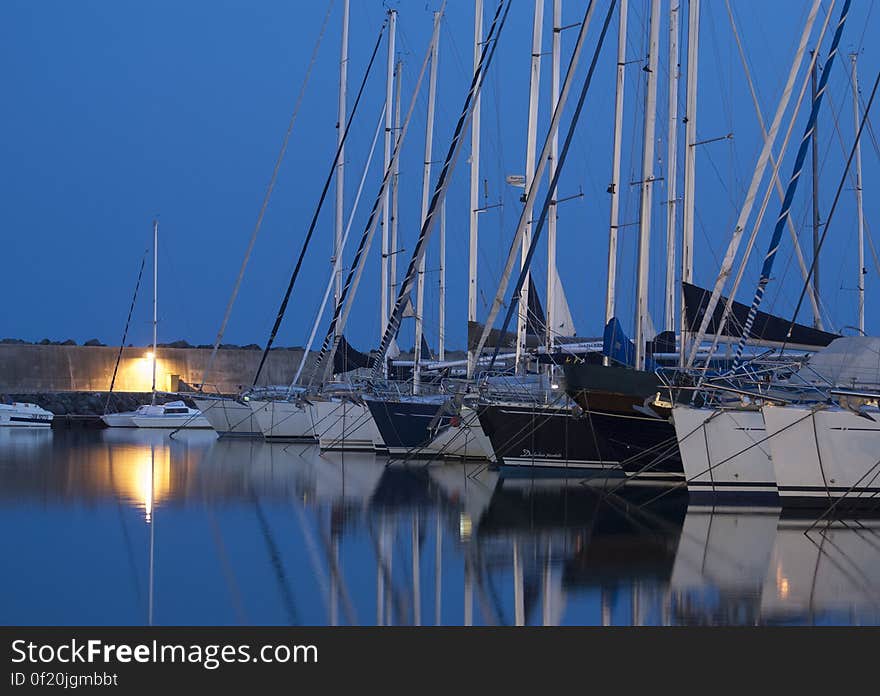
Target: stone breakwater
{"x":38,"y":369}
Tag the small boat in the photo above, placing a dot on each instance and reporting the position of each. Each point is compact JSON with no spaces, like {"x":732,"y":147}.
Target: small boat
{"x":174,"y":414}
{"x":24,"y":415}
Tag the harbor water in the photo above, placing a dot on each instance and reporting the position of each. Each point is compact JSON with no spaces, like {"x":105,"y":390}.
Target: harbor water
{"x":133,"y":527}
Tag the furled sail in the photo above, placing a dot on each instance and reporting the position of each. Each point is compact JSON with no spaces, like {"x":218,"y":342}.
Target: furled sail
{"x":767,"y":329}
{"x":347,"y":358}
{"x":563,"y":324}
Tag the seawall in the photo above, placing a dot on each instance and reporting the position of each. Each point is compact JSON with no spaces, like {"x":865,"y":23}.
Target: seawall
{"x":46,"y":369}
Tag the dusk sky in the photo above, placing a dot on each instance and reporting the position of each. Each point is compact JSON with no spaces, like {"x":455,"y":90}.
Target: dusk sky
{"x":118,"y":112}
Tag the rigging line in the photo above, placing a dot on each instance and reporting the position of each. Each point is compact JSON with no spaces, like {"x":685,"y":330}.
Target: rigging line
{"x":268,"y":195}
{"x":560,"y":163}
{"x":137,"y":285}
{"x":343,"y":305}
{"x":337,"y":262}
{"x":283,"y":308}
{"x":442,"y":184}
{"x":834,"y":204}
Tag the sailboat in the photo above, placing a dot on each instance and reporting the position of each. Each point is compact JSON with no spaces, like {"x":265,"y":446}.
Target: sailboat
{"x":815,"y":445}
{"x":174,"y":414}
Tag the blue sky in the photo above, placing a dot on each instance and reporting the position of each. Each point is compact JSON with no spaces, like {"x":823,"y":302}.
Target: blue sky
{"x":116,"y":112}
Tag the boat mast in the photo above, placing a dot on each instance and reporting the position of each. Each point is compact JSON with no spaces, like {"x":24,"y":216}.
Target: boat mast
{"x":554,"y":146}
{"x":426,"y":193}
{"x":389,"y":114}
{"x":340,"y":167}
{"x":671,"y":164}
{"x":642,"y":317}
{"x":614,"y":188}
{"x":861,"y":278}
{"x":442,"y":185}
{"x":814,"y":144}
{"x":532,"y":192}
{"x":474,"y":233}
{"x":690,"y":164}
{"x":395,"y":179}
{"x":155,"y":301}
{"x":352,"y":281}
{"x":441,"y":309}
{"x":531,"y":138}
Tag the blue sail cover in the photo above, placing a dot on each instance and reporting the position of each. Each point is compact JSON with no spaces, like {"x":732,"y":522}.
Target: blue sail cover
{"x":616,"y":344}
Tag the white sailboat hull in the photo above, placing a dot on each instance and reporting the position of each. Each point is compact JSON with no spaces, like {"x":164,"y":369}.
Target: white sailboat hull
{"x":283,"y":420}
{"x":229,"y":417}
{"x":345,"y":425}
{"x":824,"y":455}
{"x":724,"y":454}
{"x":335,"y":424}
{"x":119,"y":420}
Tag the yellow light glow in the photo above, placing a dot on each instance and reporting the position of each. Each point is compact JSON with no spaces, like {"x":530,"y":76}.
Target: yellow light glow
{"x":465,"y":527}
{"x":150,"y":355}
{"x":142,"y":475}
{"x":782,"y":584}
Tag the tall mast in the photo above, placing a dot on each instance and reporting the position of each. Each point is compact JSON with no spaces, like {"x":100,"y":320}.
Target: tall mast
{"x":614,"y":188}
{"x":531,"y":137}
{"x":554,"y":146}
{"x":395,"y":178}
{"x":690,"y":161}
{"x":155,"y":301}
{"x":671,"y":162}
{"x":641,"y":323}
{"x":426,"y":193}
{"x":441,"y":309}
{"x":389,"y":114}
{"x":475,"y":189}
{"x":857,"y":115}
{"x":340,"y":167}
{"x":814,"y":144}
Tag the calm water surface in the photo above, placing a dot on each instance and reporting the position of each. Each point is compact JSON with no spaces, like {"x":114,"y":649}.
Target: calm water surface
{"x":132,"y":527}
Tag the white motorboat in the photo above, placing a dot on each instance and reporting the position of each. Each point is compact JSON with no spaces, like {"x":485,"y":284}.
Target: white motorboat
{"x":24,"y":415}
{"x":174,"y":415}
